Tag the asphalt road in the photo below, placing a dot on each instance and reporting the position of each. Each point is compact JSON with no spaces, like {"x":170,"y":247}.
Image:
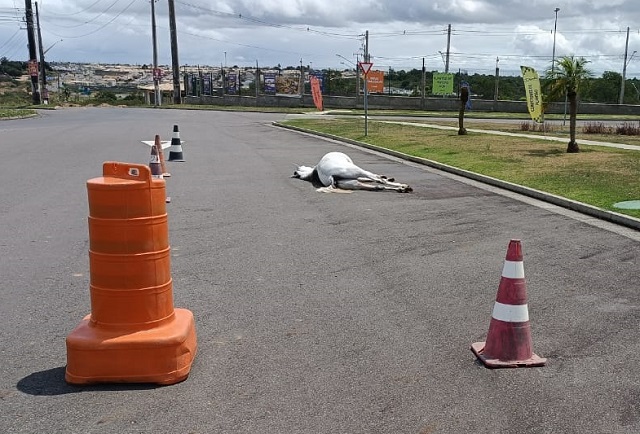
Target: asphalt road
{"x":315,"y":313}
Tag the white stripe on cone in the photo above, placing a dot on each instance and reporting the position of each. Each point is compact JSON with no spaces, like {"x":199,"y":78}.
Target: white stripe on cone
{"x":513,"y":270}
{"x":510,"y":312}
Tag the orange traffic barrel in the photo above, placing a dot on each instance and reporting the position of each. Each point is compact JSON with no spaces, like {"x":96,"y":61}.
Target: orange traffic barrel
{"x":133,"y":333}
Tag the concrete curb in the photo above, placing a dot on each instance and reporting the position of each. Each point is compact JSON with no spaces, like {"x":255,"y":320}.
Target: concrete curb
{"x":580,"y":207}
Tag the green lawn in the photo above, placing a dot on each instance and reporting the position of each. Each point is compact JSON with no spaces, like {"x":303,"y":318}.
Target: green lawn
{"x":8,"y":113}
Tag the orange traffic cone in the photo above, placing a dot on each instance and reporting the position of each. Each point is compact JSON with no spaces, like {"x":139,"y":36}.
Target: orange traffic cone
{"x":154,"y":161}
{"x":175,"y":151}
{"x":508,"y":342}
{"x":133,"y":333}
{"x":157,"y":144}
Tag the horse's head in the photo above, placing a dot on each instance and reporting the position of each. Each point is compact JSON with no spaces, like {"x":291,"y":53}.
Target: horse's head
{"x":303,"y":172}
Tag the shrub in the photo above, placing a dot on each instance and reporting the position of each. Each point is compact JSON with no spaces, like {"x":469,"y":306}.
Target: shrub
{"x":628,"y":129}
{"x":105,"y":96}
{"x":596,"y":128}
{"x":535,"y":127}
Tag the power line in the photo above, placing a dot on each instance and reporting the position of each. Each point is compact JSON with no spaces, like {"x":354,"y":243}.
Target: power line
{"x":115,"y":17}
{"x":253,"y":20}
{"x":230,"y":42}
{"x":16,"y":46}
{"x":85,"y":22}
{"x":77,"y":12}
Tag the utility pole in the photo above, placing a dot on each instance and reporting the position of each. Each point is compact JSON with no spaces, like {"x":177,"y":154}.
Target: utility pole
{"x":44,"y":93}
{"x":357,"y":79}
{"x":33,"y":59}
{"x":495,"y":94}
{"x":423,"y":85}
{"x":624,"y":69}
{"x":257,"y":81}
{"x":301,"y":82}
{"x":446,"y":65}
{"x":366,"y":104}
{"x":177,"y":96}
{"x":553,"y":55}
{"x":156,"y":76}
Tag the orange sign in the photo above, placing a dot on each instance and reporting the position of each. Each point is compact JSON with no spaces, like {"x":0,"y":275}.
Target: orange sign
{"x":375,"y":81}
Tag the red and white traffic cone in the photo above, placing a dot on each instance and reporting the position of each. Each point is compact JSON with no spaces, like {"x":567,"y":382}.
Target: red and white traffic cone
{"x":508,"y":343}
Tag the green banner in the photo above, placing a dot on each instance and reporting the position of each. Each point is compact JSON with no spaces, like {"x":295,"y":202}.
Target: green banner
{"x":442,"y":83}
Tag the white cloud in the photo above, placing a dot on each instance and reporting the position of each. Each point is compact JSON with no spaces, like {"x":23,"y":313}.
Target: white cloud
{"x":401,"y":33}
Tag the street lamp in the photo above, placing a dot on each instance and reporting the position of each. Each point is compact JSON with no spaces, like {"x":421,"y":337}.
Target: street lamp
{"x":52,"y":45}
{"x":553,"y":56}
{"x":342,"y":57}
{"x":357,"y":76}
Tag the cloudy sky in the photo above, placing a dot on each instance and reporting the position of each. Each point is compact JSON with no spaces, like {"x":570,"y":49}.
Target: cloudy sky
{"x":330,"y":33}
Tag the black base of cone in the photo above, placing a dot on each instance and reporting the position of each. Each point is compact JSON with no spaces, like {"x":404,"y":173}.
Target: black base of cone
{"x":176,"y":156}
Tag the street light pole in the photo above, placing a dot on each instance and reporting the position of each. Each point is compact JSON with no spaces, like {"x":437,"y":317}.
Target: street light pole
{"x":156,"y":76}
{"x":553,"y":55}
{"x":624,"y":67}
{"x":44,"y":93}
{"x":175,"y":63}
{"x":357,"y":75}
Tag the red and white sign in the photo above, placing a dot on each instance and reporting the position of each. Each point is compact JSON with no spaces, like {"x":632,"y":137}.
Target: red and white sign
{"x":366,"y":67}
{"x":33,"y":68}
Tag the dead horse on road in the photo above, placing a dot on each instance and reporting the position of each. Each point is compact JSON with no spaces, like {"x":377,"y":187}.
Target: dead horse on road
{"x":337,"y":171}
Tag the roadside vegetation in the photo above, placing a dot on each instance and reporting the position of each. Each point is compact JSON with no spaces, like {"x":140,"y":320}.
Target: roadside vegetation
{"x":597,"y":176}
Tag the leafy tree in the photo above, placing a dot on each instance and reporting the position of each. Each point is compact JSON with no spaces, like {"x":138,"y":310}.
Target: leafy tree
{"x":605,"y":89}
{"x":106,"y":96}
{"x":566,"y":77}
{"x":12,"y":68}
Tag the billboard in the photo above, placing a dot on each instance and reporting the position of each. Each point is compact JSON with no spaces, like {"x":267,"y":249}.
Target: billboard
{"x":442,"y":83}
{"x":375,"y":81}
{"x":232,"y":83}
{"x":288,"y":84}
{"x":270,"y":83}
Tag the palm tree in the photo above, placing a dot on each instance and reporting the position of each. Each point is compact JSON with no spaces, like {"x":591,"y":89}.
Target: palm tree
{"x":565,"y":78}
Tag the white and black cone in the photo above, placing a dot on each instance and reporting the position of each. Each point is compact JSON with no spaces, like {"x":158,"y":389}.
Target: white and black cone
{"x":175,"y":150}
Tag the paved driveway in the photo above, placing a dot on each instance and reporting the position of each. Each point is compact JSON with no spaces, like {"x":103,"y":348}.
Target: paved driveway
{"x":316,"y":313}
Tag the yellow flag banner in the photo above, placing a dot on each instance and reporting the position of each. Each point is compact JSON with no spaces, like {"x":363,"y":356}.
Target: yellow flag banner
{"x":534,"y":93}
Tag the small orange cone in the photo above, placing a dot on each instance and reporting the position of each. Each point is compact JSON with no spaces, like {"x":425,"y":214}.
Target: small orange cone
{"x":163,"y":167}
{"x":508,"y":342}
{"x":154,"y":161}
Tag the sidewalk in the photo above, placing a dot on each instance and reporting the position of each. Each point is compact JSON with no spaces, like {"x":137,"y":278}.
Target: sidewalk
{"x":527,"y":136}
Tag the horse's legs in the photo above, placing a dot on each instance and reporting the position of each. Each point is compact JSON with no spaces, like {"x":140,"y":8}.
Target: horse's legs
{"x":370,"y":185}
{"x":384,"y":181}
